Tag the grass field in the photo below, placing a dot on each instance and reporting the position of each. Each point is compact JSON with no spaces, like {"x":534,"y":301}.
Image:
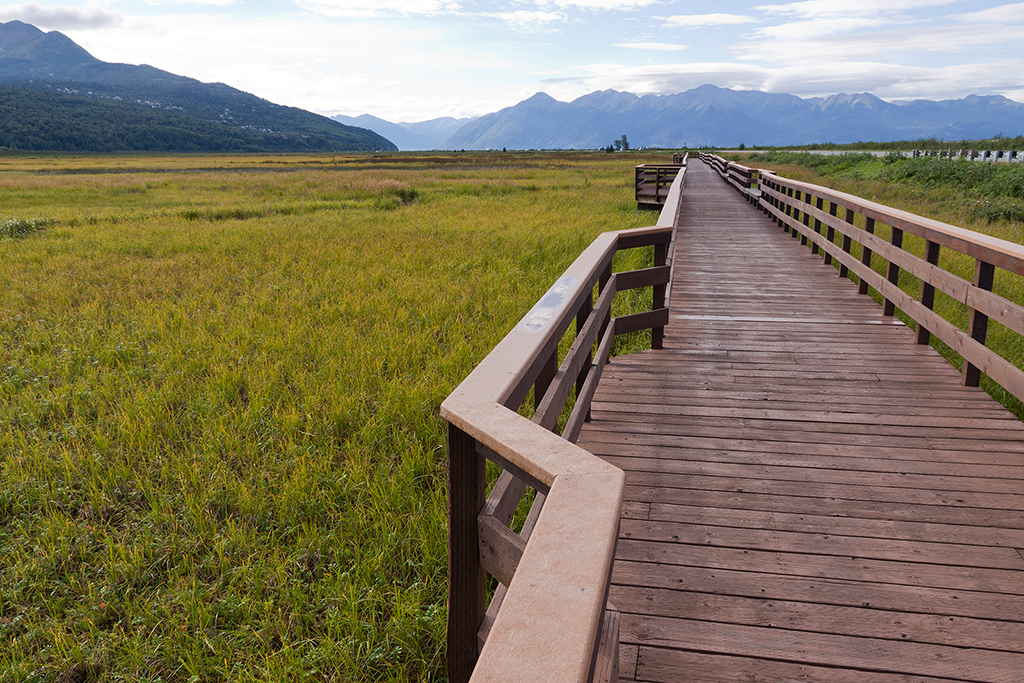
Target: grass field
{"x":219,"y":390}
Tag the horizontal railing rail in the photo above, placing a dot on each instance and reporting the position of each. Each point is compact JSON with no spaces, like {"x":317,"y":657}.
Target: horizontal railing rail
{"x":547,"y":619}
{"x":653,"y":182}
{"x":843,"y":227}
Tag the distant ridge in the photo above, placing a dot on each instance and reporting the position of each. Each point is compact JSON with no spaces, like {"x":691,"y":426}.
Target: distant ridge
{"x":60,"y":96}
{"x":424,"y":135}
{"x":717,"y":117}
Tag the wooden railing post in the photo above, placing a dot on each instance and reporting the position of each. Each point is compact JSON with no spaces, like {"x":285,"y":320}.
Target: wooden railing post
{"x":893,"y":274}
{"x":581,"y":319}
{"x":544,"y":379}
{"x":658,"y":300}
{"x":797,"y":196}
{"x":984,"y":274}
{"x":847,"y":242}
{"x":865,"y":255}
{"x":806,"y":221}
{"x":830,"y":233}
{"x":931,"y":255}
{"x":466,"y":587}
{"x":819,"y":205}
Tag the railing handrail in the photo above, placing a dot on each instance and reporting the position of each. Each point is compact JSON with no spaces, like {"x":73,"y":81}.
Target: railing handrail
{"x":555,"y":581}
{"x":800,"y":208}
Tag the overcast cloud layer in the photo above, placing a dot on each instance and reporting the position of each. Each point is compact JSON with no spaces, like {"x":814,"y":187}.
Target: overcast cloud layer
{"x":412,"y":60}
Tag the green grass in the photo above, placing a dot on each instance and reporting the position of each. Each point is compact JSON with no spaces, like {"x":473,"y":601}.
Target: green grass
{"x":219,"y":392}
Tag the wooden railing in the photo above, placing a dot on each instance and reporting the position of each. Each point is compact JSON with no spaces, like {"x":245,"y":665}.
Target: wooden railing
{"x":548,"y":619}
{"x":843,"y":228}
{"x":653,"y":182}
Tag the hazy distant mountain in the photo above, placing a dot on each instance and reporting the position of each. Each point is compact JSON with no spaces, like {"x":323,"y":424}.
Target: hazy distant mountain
{"x":716,"y":117}
{"x":423,"y":135}
{"x":143,"y":108}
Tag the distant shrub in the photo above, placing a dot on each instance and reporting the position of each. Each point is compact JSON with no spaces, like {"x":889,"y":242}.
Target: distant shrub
{"x":21,"y":227}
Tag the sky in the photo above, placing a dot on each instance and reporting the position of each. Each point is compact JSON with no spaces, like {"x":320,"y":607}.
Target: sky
{"x":414,"y":60}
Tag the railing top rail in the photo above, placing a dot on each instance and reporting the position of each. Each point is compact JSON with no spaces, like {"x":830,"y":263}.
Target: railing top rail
{"x":1001,"y":253}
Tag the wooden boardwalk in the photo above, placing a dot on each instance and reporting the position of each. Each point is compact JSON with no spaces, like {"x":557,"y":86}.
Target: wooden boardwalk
{"x":810,"y":496}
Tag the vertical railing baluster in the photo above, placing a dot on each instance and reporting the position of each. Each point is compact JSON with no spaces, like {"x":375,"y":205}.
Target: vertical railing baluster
{"x":984,"y":275}
{"x":797,"y":196}
{"x":847,"y":243}
{"x":830,"y":233}
{"x":931,"y":255}
{"x":466,"y":587}
{"x":893,"y":276}
{"x":658,"y":298}
{"x":806,"y":221}
{"x":820,"y":206}
{"x":581,"y":319}
{"x":865,"y":255}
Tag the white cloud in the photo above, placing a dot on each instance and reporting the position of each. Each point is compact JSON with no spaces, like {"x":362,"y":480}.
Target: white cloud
{"x":376,"y":8}
{"x":530,"y":21}
{"x":92,"y":16}
{"x":811,"y":9}
{"x":820,"y":27}
{"x":598,"y":4}
{"x":663,"y":47}
{"x":1005,"y":14}
{"x":220,"y":3}
{"x":697,"y":20}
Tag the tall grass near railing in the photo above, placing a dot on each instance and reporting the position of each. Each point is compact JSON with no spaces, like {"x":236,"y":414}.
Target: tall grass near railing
{"x":983,"y":197}
{"x":222,"y":456}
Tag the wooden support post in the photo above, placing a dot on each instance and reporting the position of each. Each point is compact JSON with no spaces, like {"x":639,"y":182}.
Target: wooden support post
{"x":658,"y":300}
{"x":796,"y":214}
{"x":466,"y":596}
{"x":847,"y":243}
{"x":865,"y":255}
{"x":602,"y":282}
{"x":931,"y":255}
{"x":789,"y":210}
{"x":581,"y":319}
{"x":984,"y":274}
{"x":893,"y":275}
{"x":830,"y":233}
{"x":544,"y":379}
{"x":820,"y":204}
{"x":806,"y":221}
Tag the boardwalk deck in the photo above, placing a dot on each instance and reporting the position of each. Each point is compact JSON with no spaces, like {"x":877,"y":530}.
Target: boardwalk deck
{"x":810,"y":496}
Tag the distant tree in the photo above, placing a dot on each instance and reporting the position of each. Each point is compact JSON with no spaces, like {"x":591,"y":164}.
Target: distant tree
{"x":622,"y":143}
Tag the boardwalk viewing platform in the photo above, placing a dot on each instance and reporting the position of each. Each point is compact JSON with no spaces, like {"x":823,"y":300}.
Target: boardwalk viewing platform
{"x":792,"y":485}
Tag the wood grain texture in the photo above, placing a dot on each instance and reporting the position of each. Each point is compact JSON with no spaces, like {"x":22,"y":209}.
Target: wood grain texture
{"x":810,"y":494}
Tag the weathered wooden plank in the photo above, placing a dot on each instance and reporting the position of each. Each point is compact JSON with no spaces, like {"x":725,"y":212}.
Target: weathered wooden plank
{"x":663,"y":665}
{"x":837,"y":507}
{"x":924,"y":589}
{"x":846,"y":477}
{"x":775,"y":540}
{"x":779,"y":644}
{"x":906,"y":496}
{"x":957,"y":534}
{"x":807,"y":616}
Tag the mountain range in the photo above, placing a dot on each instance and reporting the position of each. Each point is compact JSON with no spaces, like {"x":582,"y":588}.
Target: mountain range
{"x":710,"y":116}
{"x":57,"y":96}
